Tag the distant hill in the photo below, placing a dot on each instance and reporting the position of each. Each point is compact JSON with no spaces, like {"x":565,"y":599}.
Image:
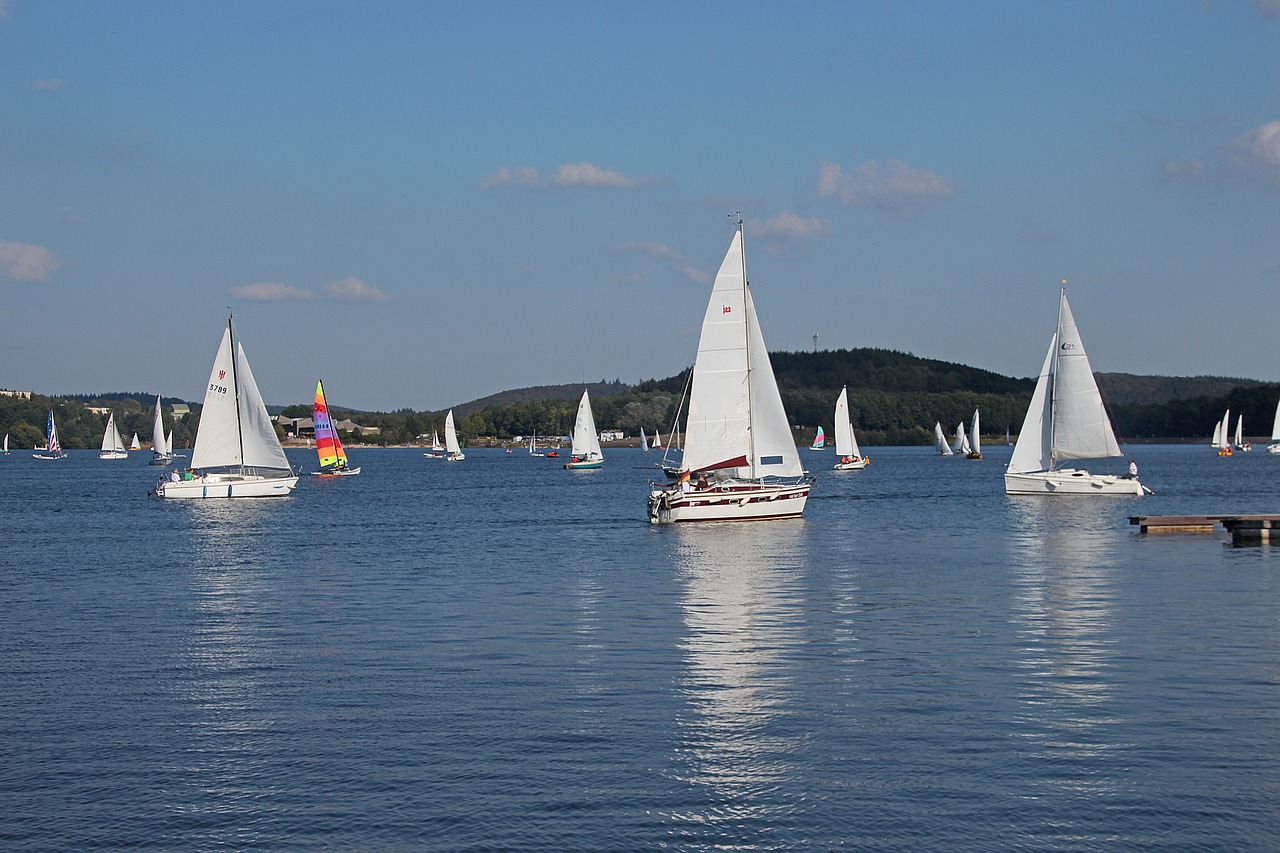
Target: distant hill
{"x":543,"y":392}
{"x":1122,"y":389}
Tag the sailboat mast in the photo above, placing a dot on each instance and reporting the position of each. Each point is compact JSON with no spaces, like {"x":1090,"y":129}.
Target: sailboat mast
{"x":746,"y":318}
{"x":235,"y":383}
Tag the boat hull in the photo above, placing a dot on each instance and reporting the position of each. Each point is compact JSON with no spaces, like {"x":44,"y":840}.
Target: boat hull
{"x":1070,"y":481}
{"x":853,"y":465}
{"x":160,"y":460}
{"x":1273,"y":448}
{"x":337,"y":472}
{"x":227,"y":486}
{"x":113,"y":454}
{"x":730,"y":502}
{"x":582,"y":466}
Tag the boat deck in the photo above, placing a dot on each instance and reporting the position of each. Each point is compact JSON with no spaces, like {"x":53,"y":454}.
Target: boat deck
{"x":1244,"y":529}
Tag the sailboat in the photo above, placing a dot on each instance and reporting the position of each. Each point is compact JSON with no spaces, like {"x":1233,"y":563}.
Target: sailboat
{"x":161,"y":447}
{"x":1066,"y":420}
{"x":533,"y":445}
{"x":740,"y":460}
{"x":333,"y":459}
{"x":961,"y":444}
{"x":1273,"y":447}
{"x":850,"y":457}
{"x":975,"y":442}
{"x":1008,"y":442}
{"x":452,"y":450}
{"x":437,"y":449}
{"x":1240,"y":444}
{"x":237,"y":453}
{"x":135,"y":444}
{"x":940,"y":440}
{"x":6,"y":439}
{"x":819,"y":440}
{"x":52,"y":447}
{"x":586,"y":441}
{"x":112,"y":443}
{"x":1221,"y":441}
{"x":644,"y":443}
{"x":168,"y":445}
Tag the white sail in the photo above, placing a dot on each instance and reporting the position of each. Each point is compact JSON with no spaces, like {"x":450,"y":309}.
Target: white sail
{"x":975,"y":443}
{"x":1275,"y":427}
{"x":846,"y":441}
{"x":644,"y":443}
{"x":940,"y":440}
{"x":168,"y":442}
{"x":1034,"y":450}
{"x":235,"y":430}
{"x":1239,"y":430}
{"x":736,"y":419}
{"x":1082,"y":429}
{"x":1217,"y":435}
{"x":111,"y":440}
{"x":961,"y":444}
{"x":451,"y":445}
{"x":586,"y":441}
{"x":159,"y":446}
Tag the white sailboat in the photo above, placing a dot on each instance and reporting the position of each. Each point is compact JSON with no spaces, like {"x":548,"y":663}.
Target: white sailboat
{"x":1273,"y":447}
{"x":52,"y":447}
{"x":135,"y":444}
{"x":533,"y":445}
{"x":6,"y":439}
{"x":961,"y":444}
{"x":644,"y":443}
{"x":740,"y":461}
{"x":1066,"y":420}
{"x":586,"y":441}
{"x":452,"y":450}
{"x":849,"y":456}
{"x":1240,"y":444}
{"x":161,"y":447}
{"x":940,"y":440}
{"x":975,"y":441}
{"x":237,"y":453}
{"x":112,"y":443}
{"x":1221,"y":440}
{"x":437,"y":449}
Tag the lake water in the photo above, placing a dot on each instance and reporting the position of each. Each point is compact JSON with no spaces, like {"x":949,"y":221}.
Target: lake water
{"x":504,"y":655}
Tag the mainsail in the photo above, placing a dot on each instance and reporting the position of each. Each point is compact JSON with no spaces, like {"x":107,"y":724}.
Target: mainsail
{"x":160,"y":446}
{"x":586,"y":441}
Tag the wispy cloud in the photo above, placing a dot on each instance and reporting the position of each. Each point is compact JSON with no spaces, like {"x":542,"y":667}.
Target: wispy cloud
{"x":1182,"y":171}
{"x":270,"y":291}
{"x":1268,"y":8}
{"x":4,"y":10}
{"x":48,"y":85}
{"x":894,"y":189}
{"x":788,"y":225}
{"x":1252,"y":157}
{"x":25,"y":262}
{"x":566,"y":176}
{"x":656,"y":250}
{"x":355,"y":290}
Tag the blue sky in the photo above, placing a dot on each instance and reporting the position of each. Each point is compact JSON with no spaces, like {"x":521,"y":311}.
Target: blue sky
{"x":425,"y":203}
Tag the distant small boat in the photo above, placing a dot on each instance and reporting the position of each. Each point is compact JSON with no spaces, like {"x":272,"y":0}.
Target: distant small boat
{"x":644,"y":444}
{"x":1240,"y":444}
{"x":452,"y":450}
{"x":6,"y":441}
{"x":940,"y":441}
{"x":1221,"y":441}
{"x":112,"y":443}
{"x":975,"y":443}
{"x":333,"y":459}
{"x":961,"y":444}
{"x":1273,"y":447}
{"x":161,"y":447}
{"x":819,"y":440}
{"x":52,"y":447}
{"x":135,"y":444}
{"x":850,"y":456}
{"x":586,"y":441}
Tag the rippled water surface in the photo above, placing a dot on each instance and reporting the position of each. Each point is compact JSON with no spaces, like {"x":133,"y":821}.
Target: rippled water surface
{"x":501,"y":654}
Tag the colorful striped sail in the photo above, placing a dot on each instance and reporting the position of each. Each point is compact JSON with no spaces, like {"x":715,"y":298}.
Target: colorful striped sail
{"x":327,"y":444}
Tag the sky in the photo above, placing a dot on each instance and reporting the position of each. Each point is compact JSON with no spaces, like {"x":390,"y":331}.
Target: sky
{"x":426,"y":203}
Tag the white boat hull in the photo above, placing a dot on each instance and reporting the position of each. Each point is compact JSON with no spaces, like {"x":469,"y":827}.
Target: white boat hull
{"x":728,"y":502}
{"x":854,"y":465}
{"x":227,"y":486}
{"x":1273,"y":448}
{"x":1070,"y":481}
{"x":113,"y":454}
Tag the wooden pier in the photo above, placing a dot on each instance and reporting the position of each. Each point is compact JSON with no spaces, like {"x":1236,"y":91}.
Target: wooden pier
{"x":1244,"y":529}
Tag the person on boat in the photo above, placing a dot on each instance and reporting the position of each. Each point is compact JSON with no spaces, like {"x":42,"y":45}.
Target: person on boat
{"x":174,"y":476}
{"x":1133,"y":471}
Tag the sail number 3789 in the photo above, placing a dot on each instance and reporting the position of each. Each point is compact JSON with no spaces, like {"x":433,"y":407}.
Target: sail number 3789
{"x":220,"y":389}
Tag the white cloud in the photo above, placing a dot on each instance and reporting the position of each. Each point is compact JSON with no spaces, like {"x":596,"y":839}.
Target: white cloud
{"x":355,"y":290}
{"x":1182,"y":171}
{"x":568,"y":175}
{"x":47,"y":85}
{"x":895,"y":188}
{"x":657,"y":250}
{"x":696,"y":275}
{"x":788,"y":225}
{"x":4,"y":12}
{"x":1268,"y":8}
{"x":270,"y":291}
{"x":25,"y":262}
{"x":1256,"y":154}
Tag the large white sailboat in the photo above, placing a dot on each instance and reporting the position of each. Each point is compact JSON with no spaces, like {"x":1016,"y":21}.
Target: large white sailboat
{"x":452,"y":450}
{"x":161,"y":446}
{"x":940,"y":441}
{"x":237,"y":453}
{"x":740,"y":461}
{"x":849,"y":456}
{"x":112,"y":444}
{"x":1066,"y":420}
{"x":586,"y":441}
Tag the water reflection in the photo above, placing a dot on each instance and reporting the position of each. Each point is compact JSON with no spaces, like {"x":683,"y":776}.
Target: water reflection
{"x":1062,"y":558}
{"x":741,"y":627}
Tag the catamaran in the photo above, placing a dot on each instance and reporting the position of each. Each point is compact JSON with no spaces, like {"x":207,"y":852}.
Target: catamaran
{"x":586,"y":441}
{"x":740,"y":459}
{"x":975,"y":442}
{"x":850,"y":457}
{"x":940,"y":441}
{"x":112,"y":443}
{"x":1066,"y":420}
{"x":452,"y":450}
{"x":819,"y":440}
{"x":333,"y":459}
{"x":161,"y":446}
{"x":237,"y":453}
{"x":52,"y":447}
